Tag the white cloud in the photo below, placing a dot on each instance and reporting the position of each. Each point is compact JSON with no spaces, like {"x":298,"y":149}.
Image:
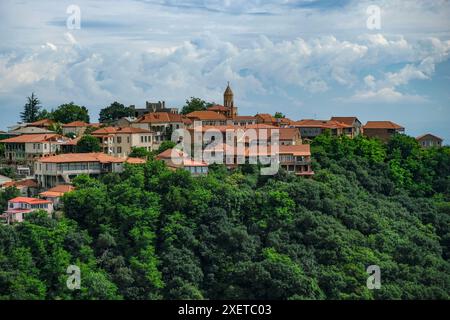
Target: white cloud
{"x":200,"y":67}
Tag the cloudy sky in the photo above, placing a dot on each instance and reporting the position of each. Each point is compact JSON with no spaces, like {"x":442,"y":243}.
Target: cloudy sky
{"x":306,"y":58}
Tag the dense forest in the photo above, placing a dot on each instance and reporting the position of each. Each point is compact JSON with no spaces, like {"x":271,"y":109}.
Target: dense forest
{"x":153,"y":233}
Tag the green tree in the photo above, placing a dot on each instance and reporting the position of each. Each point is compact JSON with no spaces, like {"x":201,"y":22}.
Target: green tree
{"x":87,"y":144}
{"x":114,"y":112}
{"x":8,"y":194}
{"x":140,"y":152}
{"x":279,"y":115}
{"x":31,"y":109}
{"x":165,"y":145}
{"x":70,"y":112}
{"x":195,"y":104}
{"x":56,"y":127}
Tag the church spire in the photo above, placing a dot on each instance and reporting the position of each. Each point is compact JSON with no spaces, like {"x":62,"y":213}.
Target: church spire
{"x":228,"y":101}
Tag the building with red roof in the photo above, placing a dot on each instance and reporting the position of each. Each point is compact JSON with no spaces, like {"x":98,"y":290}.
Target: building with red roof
{"x":120,"y":141}
{"x":55,"y":194}
{"x":61,"y":169}
{"x":28,"y":147}
{"x":20,"y":206}
{"x":382,"y":130}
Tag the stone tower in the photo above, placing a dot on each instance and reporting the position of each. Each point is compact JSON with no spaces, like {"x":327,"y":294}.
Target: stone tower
{"x":228,"y":101}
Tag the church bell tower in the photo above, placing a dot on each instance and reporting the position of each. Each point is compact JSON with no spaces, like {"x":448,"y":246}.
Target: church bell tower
{"x":228,"y":101}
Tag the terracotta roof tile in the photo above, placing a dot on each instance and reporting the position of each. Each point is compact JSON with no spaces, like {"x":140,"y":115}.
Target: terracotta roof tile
{"x":29,"y":200}
{"x":160,"y":117}
{"x":86,"y":157}
{"x":32,"y":138}
{"x":382,"y":125}
{"x":76,"y":124}
{"x":206,"y":115}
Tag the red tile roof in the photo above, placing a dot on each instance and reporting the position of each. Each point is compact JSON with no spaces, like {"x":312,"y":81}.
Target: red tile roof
{"x":131,"y":160}
{"x":29,"y":200}
{"x":325,"y":124}
{"x":31,"y":183}
{"x":129,"y":130}
{"x":218,"y":107}
{"x":43,"y":122}
{"x":32,"y":138}
{"x":206,"y":115}
{"x":57,"y":191}
{"x":382,"y":125}
{"x":429,"y":135}
{"x":119,"y":130}
{"x":88,"y":157}
{"x":105,"y":131}
{"x":347,"y":120}
{"x":160,"y":117}
{"x":296,"y":150}
{"x":76,"y":124}
{"x":243,"y":118}
{"x":167,"y":154}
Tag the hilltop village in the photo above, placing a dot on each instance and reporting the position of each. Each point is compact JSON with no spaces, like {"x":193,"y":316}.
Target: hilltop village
{"x":44,"y":156}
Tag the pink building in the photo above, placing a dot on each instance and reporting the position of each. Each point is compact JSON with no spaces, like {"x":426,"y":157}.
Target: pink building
{"x":18,"y":207}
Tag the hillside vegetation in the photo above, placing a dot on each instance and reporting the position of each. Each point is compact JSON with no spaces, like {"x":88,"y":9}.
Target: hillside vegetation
{"x":151,"y":233}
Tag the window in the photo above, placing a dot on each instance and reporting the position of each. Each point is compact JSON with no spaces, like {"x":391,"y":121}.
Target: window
{"x":119,"y":149}
{"x":128,"y":139}
{"x":119,"y":139}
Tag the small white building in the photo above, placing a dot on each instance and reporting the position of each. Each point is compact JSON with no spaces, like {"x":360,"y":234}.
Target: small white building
{"x":20,"y":206}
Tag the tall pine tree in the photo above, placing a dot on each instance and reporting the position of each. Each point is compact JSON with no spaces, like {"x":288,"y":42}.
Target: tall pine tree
{"x":31,"y":109}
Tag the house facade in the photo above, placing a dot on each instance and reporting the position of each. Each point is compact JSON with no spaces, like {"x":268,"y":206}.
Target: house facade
{"x":162,"y":124}
{"x":31,"y":146}
{"x":429,"y":141}
{"x":353,"y":128}
{"x":61,"y":169}
{"x":120,"y":141}
{"x":55,"y":194}
{"x":19,"y":207}
{"x":382,"y":130}
{"x":309,"y":128}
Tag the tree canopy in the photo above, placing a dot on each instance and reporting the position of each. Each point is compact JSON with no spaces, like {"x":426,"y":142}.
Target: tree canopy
{"x":114,"y":112}
{"x":195,"y":104}
{"x":31,"y":109}
{"x":154,"y":233}
{"x":88,"y":143}
{"x":70,"y":112}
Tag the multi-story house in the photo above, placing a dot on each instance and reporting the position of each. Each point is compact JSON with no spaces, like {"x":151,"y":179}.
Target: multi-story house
{"x":382,"y":130}
{"x":162,"y":123}
{"x":20,"y":206}
{"x":26,"y":187}
{"x":309,"y":128}
{"x":121,"y":141}
{"x":207,"y":118}
{"x":353,"y":128}
{"x":28,"y":147}
{"x":55,"y":194}
{"x":292,"y":158}
{"x":61,"y":169}
{"x":78,"y":127}
{"x":429,"y":140}
{"x":242,"y":121}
